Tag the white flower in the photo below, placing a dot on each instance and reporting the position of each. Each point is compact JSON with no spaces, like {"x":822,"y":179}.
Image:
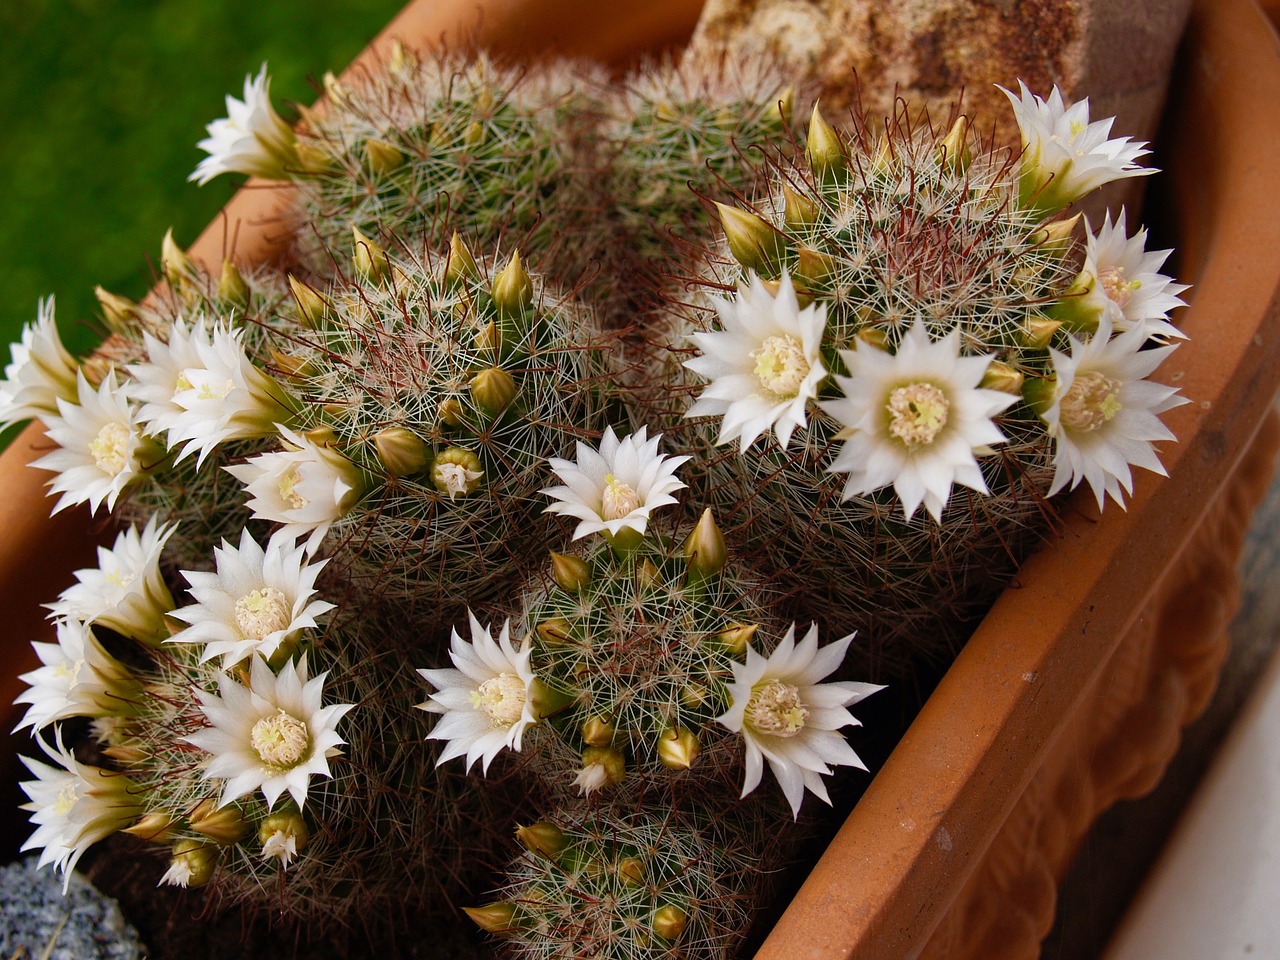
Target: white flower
{"x":41,"y":372}
{"x":1125,"y":281}
{"x":201,"y":390}
{"x":616,"y":488}
{"x":126,"y":591}
{"x":592,"y":777}
{"x":73,"y":806}
{"x":79,"y":679}
{"x":280,"y":846}
{"x":251,"y":139}
{"x":1064,"y":156}
{"x":787,"y":717}
{"x":1104,"y":413}
{"x":102,"y":450}
{"x":485,"y":702}
{"x":914,"y":419}
{"x":306,"y":487}
{"x":274,"y":734}
{"x":255,"y":602}
{"x":764,"y":363}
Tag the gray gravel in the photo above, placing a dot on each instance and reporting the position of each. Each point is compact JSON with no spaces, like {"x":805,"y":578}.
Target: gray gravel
{"x":34,"y":908}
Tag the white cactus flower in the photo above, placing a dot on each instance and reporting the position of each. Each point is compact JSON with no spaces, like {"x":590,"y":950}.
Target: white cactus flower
{"x":1105,"y":415}
{"x":274,"y":735}
{"x":126,"y":591}
{"x":251,"y":139}
{"x":486,"y":702}
{"x":787,"y":717}
{"x":103,"y":449}
{"x":616,"y":488}
{"x":914,"y":419}
{"x":200,"y":389}
{"x":305,"y":486}
{"x":764,"y":363}
{"x":78,"y":679}
{"x":256,"y":601}
{"x":1125,"y":283}
{"x":40,"y":373}
{"x":1064,"y":156}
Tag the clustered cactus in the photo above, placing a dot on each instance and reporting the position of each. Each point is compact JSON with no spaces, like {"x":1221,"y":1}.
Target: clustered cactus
{"x":321,"y":468}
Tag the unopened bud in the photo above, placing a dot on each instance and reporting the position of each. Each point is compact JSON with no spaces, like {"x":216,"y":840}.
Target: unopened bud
{"x":512,"y":288}
{"x":572,"y":574}
{"x":334,"y":90}
{"x":678,"y":748}
{"x":737,"y":637}
{"x":752,"y":242}
{"x":647,"y":574}
{"x":826,"y":152}
{"x":369,"y":259}
{"x":784,"y":103}
{"x":322,"y":435}
{"x":496,"y":918}
{"x":489,"y":338}
{"x":882,"y":160}
{"x":176,"y":266}
{"x":459,"y":265}
{"x":814,"y":268}
{"x":1039,"y":393}
{"x":128,"y":752}
{"x":543,"y":838}
{"x":953,"y":149}
{"x":223,"y":826}
{"x":631,"y":871}
{"x":1055,"y":236}
{"x":493,"y":390}
{"x":1000,"y":376}
{"x":313,"y":158}
{"x":694,"y":695}
{"x":598,"y":732}
{"x":1039,"y":333}
{"x":457,"y":471}
{"x":312,"y":307}
{"x":798,"y":211}
{"x":669,"y":922}
{"x":287,"y":365}
{"x":400,"y":451}
{"x":154,"y":827}
{"x":705,"y":548}
{"x":382,"y":157}
{"x":554,"y":632}
{"x":476,"y":134}
{"x":119,"y":312}
{"x":1075,"y":310}
{"x":546,"y":700}
{"x":402,"y":60}
{"x":874,"y":337}
{"x":191,"y":865}
{"x":231,"y":286}
{"x":450,"y":412}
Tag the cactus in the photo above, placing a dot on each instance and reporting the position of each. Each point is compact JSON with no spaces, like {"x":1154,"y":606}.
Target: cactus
{"x":883,"y":230}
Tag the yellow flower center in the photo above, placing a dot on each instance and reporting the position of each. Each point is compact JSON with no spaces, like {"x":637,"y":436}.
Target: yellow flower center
{"x":781,"y":366}
{"x":775,"y":708}
{"x":917,"y":413}
{"x":110,"y":448}
{"x":261,"y":612}
{"x":619,"y":500}
{"x":287,"y":485}
{"x":1090,"y":402}
{"x":119,"y":578}
{"x":1116,"y":287}
{"x":501,"y":698}
{"x":67,"y":798}
{"x":280,"y":741}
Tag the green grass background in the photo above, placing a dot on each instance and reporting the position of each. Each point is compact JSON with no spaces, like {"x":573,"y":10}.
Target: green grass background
{"x":101,"y":105}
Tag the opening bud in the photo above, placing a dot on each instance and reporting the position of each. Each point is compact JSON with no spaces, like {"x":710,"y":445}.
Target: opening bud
{"x":496,"y":918}
{"x":313,"y":158}
{"x":493,"y":390}
{"x":382,"y":157}
{"x":512,"y":288}
{"x":678,"y":748}
{"x":826,"y":152}
{"x":400,"y":451}
{"x":705,"y":548}
{"x":1000,"y":376}
{"x":223,"y":826}
{"x":176,"y":266}
{"x":571,"y":573}
{"x":369,"y":259}
{"x":283,"y":835}
{"x":191,"y":865}
{"x":798,"y":211}
{"x":231,"y":286}
{"x":669,"y":922}
{"x":554,"y":632}
{"x":120,"y":312}
{"x":752,"y":242}
{"x":601,"y":767}
{"x":459,"y":265}
{"x":543,"y":838}
{"x":457,"y":471}
{"x":598,"y":732}
{"x":155,"y":827}
{"x":737,"y":637}
{"x":312,"y":307}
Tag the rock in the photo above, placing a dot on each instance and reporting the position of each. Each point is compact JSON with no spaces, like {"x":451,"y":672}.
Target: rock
{"x":82,"y":925}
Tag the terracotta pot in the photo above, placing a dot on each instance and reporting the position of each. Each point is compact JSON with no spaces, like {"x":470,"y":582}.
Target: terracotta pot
{"x":1072,"y":692}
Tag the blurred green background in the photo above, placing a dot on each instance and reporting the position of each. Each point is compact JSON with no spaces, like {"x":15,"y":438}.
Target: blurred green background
{"x":101,"y":105}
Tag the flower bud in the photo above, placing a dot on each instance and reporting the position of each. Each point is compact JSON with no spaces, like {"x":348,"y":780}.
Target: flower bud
{"x":543,"y":838}
{"x":334,"y":90}
{"x":631,"y":871}
{"x":493,"y":390}
{"x":400,"y":451}
{"x":1039,"y":393}
{"x":313,"y":158}
{"x":882,"y":160}
{"x":287,"y":365}
{"x":669,"y":922}
{"x":223,"y":826}
{"x":571,"y":573}
{"x":128,"y":752}
{"x":1000,"y":376}
{"x":155,"y":827}
{"x":694,"y":695}
{"x":1039,"y":333}
{"x":177,"y":267}
{"x":459,"y":265}
{"x":283,"y":835}
{"x":647,"y":575}
{"x":1076,"y":310}
{"x":476,"y":134}
{"x":813,"y":268}
{"x":546,"y":700}
{"x":191,"y":865}
{"x":601,"y":767}
{"x":785,"y":103}
{"x":496,"y":918}
{"x":554,"y":632}
{"x":231,"y":286}
{"x":450,"y":412}
{"x":1055,"y":236}
{"x":489,"y":338}
{"x":953,"y":149}
{"x":322,"y":436}
{"x":678,"y":748}
{"x":826,"y":152}
{"x":369,"y":259}
{"x":457,"y":471}
{"x":798,"y":211}
{"x":312,"y":307}
{"x":598,"y":732}
{"x":512,"y":288}
{"x":874,"y":337}
{"x":382,"y":157}
{"x":402,"y":61}
{"x":737,"y":637}
{"x":120,"y":312}
{"x":752,"y":242}
{"x":705,"y":548}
